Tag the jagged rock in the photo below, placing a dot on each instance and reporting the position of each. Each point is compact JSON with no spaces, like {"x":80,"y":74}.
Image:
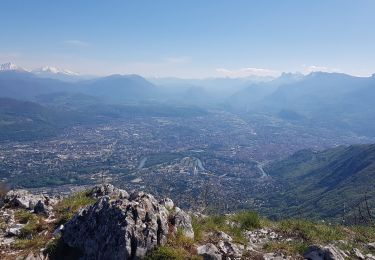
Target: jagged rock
{"x":209,"y":252}
{"x":22,"y":199}
{"x":329,"y":252}
{"x":14,"y":230}
{"x":370,"y":257}
{"x":181,"y":220}
{"x":119,"y":228}
{"x":41,"y":204}
{"x":108,"y":190}
{"x":230,"y":250}
{"x":167,"y":202}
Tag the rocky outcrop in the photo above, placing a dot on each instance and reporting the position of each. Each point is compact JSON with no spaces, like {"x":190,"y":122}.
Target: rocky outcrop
{"x":108,"y":190}
{"x":123,"y":228}
{"x":40,"y":204}
{"x":22,"y":199}
{"x":180,"y":220}
{"x":223,"y":248}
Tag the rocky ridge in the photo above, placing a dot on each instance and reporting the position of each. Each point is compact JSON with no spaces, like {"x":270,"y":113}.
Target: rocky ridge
{"x":109,"y":223}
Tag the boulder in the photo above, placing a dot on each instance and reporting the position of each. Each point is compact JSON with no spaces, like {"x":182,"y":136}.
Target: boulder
{"x":329,"y":252}
{"x":14,"y":230}
{"x":108,"y":190}
{"x":230,"y":250}
{"x":120,"y":228}
{"x":209,"y":252}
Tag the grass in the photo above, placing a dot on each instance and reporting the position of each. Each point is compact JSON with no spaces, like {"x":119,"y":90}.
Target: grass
{"x":178,"y":247}
{"x":167,"y":253}
{"x":364,"y":234}
{"x":23,"y":216}
{"x":31,"y":236}
{"x":311,"y":232}
{"x":34,"y":243}
{"x":233,"y":225}
{"x":287,"y":247}
{"x":68,"y":207}
{"x":247,"y":220}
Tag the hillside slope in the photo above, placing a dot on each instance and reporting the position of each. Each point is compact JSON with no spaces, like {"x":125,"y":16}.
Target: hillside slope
{"x":324,"y":184}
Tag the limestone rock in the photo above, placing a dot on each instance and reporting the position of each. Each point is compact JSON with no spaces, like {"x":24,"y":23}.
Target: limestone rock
{"x":167,"y":202}
{"x":181,"y":220}
{"x":108,"y":190}
{"x":224,"y":236}
{"x":14,"y":230}
{"x":230,"y":250}
{"x":121,"y":228}
{"x":209,"y":252}
{"x":329,"y":252}
{"x":22,"y":199}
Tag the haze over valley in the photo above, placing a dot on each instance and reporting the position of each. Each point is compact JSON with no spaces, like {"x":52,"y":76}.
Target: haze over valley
{"x":214,"y":130}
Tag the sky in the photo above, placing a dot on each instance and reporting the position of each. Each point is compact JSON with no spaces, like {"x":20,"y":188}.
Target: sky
{"x":190,"y":38}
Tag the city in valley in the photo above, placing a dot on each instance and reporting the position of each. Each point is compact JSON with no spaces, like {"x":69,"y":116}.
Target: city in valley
{"x":192,"y":159}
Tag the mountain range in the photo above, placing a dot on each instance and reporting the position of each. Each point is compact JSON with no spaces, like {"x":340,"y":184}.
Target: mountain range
{"x":329,"y":100}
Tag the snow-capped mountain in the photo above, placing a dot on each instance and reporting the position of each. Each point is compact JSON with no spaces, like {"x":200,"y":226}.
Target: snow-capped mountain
{"x":54,"y":70}
{"x":9,"y":66}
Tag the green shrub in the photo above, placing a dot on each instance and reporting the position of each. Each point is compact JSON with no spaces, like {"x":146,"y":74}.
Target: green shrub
{"x":247,"y":220}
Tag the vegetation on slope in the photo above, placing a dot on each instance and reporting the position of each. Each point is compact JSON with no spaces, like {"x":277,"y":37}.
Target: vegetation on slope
{"x":327,"y":184}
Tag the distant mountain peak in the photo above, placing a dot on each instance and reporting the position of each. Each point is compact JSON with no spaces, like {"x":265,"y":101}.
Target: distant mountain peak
{"x":9,"y":66}
{"x":54,"y":70}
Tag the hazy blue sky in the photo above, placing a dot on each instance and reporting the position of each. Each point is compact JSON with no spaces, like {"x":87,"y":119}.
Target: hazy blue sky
{"x":190,"y":38}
